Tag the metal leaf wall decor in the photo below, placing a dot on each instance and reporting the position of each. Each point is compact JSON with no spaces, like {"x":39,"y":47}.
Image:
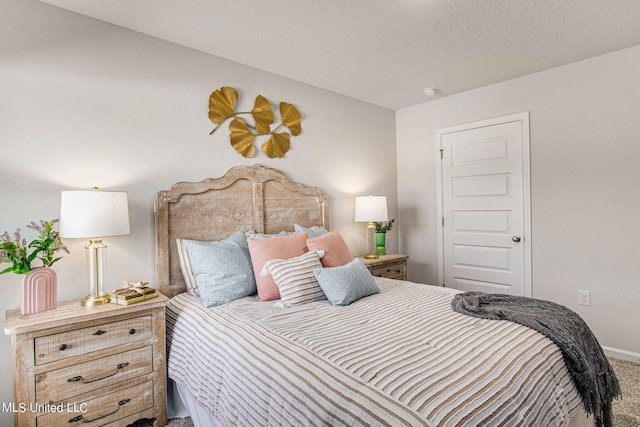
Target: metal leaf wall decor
{"x":222,"y":106}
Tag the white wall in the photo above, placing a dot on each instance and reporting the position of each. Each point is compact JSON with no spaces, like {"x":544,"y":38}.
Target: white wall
{"x":85,"y":103}
{"x":585,"y":184}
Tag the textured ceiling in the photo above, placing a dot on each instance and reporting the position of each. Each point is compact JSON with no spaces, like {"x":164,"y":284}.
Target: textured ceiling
{"x":380,"y":51}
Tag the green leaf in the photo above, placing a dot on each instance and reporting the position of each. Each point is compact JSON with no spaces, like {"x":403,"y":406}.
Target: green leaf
{"x":10,"y":250}
{"x":7,"y":270}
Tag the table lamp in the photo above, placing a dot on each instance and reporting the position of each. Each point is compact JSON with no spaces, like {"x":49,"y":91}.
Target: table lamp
{"x":94,"y":214}
{"x":370,"y":209}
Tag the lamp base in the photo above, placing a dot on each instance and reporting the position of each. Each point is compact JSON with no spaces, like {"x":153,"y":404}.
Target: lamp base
{"x":371,"y":241}
{"x":91,"y":301}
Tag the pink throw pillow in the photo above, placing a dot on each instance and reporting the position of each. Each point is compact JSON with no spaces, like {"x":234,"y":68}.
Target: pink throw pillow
{"x":263,"y":250}
{"x":336,"y":252}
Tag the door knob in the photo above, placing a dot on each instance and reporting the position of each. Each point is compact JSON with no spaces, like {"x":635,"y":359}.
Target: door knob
{"x":516,"y":239}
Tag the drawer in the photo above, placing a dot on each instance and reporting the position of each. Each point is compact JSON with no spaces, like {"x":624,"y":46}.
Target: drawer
{"x":81,"y":341}
{"x":101,"y":410}
{"x":391,"y":271}
{"x":61,"y":384}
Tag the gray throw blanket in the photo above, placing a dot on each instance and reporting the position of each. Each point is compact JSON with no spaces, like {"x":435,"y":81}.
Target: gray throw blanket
{"x":592,"y":374}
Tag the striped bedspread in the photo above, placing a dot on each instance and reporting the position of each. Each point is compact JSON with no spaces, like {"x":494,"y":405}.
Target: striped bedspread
{"x":401,"y":357}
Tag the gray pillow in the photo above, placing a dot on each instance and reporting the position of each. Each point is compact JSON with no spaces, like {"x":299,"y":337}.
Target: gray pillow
{"x":346,"y":284}
{"x":222,"y":271}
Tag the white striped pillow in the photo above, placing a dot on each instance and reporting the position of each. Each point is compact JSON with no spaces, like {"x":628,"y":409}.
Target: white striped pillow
{"x":295,"y":279}
{"x":185,"y":266}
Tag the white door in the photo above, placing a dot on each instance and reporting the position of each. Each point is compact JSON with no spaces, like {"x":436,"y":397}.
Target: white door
{"x":485,"y":206}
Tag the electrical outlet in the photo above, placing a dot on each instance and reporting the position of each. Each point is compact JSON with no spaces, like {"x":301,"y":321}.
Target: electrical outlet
{"x":584,"y":298}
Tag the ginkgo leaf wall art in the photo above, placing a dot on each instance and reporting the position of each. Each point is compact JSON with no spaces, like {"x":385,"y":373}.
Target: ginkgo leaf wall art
{"x":242,"y":133}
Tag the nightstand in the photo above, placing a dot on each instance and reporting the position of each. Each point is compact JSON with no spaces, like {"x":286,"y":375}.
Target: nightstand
{"x":76,"y":365}
{"x":391,"y":266}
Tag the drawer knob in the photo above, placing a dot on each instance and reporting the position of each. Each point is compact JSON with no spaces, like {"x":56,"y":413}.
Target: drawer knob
{"x":99,"y":332}
{"x":62,"y":347}
{"x":132,"y":331}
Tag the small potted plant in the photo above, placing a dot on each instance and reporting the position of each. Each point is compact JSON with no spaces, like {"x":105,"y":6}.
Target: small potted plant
{"x":39,"y":286}
{"x":381,"y":236}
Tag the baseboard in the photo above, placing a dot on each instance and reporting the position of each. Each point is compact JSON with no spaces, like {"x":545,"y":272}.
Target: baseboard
{"x":617,"y":353}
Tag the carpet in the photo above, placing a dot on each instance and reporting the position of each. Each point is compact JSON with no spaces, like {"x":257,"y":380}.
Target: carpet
{"x":626,"y":411}
{"x":180,"y":422}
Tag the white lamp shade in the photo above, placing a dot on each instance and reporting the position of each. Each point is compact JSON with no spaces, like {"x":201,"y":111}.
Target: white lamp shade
{"x":91,"y":214}
{"x":371,"y":208}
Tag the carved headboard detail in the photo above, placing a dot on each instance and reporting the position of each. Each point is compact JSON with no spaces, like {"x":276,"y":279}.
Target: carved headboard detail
{"x":245,"y":198}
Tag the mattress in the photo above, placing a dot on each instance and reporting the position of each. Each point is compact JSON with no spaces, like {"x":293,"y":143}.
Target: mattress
{"x":401,"y":357}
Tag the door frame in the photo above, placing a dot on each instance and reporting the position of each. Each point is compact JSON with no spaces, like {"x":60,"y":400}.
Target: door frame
{"x":526,"y":193}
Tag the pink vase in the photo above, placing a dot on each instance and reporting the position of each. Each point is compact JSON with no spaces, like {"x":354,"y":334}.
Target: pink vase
{"x":39,"y":291}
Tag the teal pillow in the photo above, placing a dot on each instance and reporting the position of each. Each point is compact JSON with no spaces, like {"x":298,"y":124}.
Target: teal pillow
{"x":346,"y":284}
{"x":314,"y":231}
{"x":222,"y":271}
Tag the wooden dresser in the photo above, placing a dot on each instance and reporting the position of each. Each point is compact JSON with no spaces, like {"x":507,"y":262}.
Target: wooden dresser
{"x":391,"y":266}
{"x":101,"y":365}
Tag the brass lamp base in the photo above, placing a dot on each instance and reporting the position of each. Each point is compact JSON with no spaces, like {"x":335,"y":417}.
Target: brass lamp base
{"x":90,"y":301}
{"x":97,"y":253}
{"x":371,"y":241}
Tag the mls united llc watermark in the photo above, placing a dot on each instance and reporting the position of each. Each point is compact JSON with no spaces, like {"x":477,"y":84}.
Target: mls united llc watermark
{"x":44,"y":407}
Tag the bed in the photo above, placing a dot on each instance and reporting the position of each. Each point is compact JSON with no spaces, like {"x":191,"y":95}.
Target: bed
{"x":400,"y":356}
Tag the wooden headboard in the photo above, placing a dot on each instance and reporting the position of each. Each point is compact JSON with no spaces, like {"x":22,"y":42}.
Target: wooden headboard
{"x":245,"y":198}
